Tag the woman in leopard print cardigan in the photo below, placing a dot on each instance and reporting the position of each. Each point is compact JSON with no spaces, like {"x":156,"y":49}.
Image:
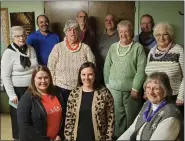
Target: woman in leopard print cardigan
{"x":90,"y":110}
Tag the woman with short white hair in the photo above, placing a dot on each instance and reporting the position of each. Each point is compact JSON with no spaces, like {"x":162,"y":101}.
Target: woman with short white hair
{"x":124,"y":75}
{"x":66,"y":58}
{"x":168,"y":57}
{"x":17,"y":64}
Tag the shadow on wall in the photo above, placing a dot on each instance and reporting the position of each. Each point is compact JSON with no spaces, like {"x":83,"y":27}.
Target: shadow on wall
{"x":92,"y":23}
{"x":58,"y":29}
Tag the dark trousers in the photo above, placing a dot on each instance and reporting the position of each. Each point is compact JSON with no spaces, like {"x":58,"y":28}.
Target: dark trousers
{"x":19,"y":91}
{"x":65,"y":94}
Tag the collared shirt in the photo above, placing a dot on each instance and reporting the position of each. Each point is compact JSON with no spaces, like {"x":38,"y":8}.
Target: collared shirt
{"x":42,"y":44}
{"x":105,"y":42}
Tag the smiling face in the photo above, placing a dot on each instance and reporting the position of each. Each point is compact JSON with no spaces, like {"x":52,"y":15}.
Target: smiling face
{"x":125,"y":35}
{"x":87,"y":77}
{"x":109,"y":22}
{"x":154,"y":92}
{"x":43,"y":24}
{"x":146,"y":24}
{"x":19,"y":38}
{"x":162,"y":37}
{"x":42,"y":81}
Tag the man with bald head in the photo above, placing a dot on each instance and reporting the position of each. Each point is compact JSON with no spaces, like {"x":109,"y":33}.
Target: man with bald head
{"x":87,"y":35}
{"x":106,"y":39}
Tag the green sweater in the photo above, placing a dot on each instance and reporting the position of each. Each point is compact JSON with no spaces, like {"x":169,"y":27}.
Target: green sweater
{"x":126,"y":72}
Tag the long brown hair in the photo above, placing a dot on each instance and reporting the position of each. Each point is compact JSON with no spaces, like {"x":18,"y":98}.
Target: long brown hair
{"x":32,"y":88}
{"x":87,"y":65}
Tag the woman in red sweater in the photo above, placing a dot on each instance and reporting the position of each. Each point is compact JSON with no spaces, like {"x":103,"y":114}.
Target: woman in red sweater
{"x":41,"y":111}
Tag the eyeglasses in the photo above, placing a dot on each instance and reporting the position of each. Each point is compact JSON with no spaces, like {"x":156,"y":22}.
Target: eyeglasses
{"x":19,"y":36}
{"x":162,"y":35}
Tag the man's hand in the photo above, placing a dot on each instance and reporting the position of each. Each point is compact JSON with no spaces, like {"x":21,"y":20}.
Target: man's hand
{"x":134,"y":94}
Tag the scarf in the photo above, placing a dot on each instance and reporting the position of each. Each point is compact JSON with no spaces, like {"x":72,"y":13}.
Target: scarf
{"x":24,"y":58}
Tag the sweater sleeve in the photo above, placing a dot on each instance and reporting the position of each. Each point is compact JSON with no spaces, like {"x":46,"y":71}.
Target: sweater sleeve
{"x":172,"y":128}
{"x":110,"y":116}
{"x":107,"y":66}
{"x":140,"y":70}
{"x":6,"y":72}
{"x":90,"y":55}
{"x":127,"y":134}
{"x":27,"y":131}
{"x":181,"y":88}
{"x":52,"y":61}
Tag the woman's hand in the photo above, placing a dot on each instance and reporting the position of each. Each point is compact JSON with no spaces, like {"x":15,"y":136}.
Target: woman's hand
{"x":179,"y":102}
{"x":57,"y":138}
{"x":134,"y":95}
{"x":15,"y":100}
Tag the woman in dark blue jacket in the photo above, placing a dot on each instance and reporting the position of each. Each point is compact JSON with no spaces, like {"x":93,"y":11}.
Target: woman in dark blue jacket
{"x":41,"y":111}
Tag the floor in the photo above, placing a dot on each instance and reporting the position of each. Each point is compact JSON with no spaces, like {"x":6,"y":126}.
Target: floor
{"x":5,"y":123}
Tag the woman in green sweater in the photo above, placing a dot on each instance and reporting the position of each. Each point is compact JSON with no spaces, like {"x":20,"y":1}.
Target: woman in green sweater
{"x":124,"y":75}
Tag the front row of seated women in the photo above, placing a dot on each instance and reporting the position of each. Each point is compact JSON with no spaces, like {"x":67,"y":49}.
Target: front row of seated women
{"x":42,"y":116}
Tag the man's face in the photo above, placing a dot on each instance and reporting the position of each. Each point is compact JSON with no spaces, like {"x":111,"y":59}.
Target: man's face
{"x":146,"y":24}
{"x":109,"y":22}
{"x":81,"y":18}
{"x":43,"y":24}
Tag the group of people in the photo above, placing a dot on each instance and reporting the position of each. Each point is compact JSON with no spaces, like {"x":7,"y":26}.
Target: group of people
{"x":56,"y":83}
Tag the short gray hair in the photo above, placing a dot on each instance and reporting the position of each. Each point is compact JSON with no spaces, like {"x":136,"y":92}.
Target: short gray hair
{"x":163,"y":25}
{"x":71,"y":24}
{"x":125,"y":23}
{"x":163,"y":80}
{"x":16,"y":28}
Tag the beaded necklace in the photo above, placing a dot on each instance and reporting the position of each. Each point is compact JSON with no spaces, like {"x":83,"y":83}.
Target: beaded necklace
{"x":77,"y":47}
{"x":153,"y":51}
{"x":118,"y":46}
{"x":147,"y":117}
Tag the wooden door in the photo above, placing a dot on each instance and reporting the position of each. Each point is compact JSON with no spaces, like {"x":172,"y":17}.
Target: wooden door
{"x":59,"y":12}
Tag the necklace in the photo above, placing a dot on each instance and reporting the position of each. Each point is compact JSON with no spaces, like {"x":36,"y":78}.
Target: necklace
{"x":153,"y":51}
{"x":117,"y":50}
{"x":75,"y":49}
{"x":147,"y":117}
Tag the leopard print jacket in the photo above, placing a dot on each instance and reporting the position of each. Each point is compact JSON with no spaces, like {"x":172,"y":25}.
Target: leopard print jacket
{"x":103,"y":114}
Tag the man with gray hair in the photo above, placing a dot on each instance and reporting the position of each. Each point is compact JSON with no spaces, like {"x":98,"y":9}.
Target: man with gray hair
{"x":87,"y":36}
{"x":106,"y":39}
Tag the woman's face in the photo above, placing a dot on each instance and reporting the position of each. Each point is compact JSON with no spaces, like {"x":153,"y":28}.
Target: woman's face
{"x":72,"y":35}
{"x":42,"y":81}
{"x":19,"y":38}
{"x":88,"y":77}
{"x":125,"y":35}
{"x":154,"y":92}
{"x":162,"y":37}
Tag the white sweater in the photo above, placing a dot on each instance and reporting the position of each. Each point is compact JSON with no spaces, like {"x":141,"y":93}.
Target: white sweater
{"x":174,"y":69}
{"x":13,"y":74}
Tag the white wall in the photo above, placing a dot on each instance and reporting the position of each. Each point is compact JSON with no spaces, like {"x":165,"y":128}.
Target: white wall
{"x":20,"y":6}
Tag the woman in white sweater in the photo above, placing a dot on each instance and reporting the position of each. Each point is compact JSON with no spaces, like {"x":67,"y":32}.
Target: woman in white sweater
{"x":17,"y":64}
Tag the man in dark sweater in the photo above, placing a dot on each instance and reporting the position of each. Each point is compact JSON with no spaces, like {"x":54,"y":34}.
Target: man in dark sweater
{"x":87,"y":36}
